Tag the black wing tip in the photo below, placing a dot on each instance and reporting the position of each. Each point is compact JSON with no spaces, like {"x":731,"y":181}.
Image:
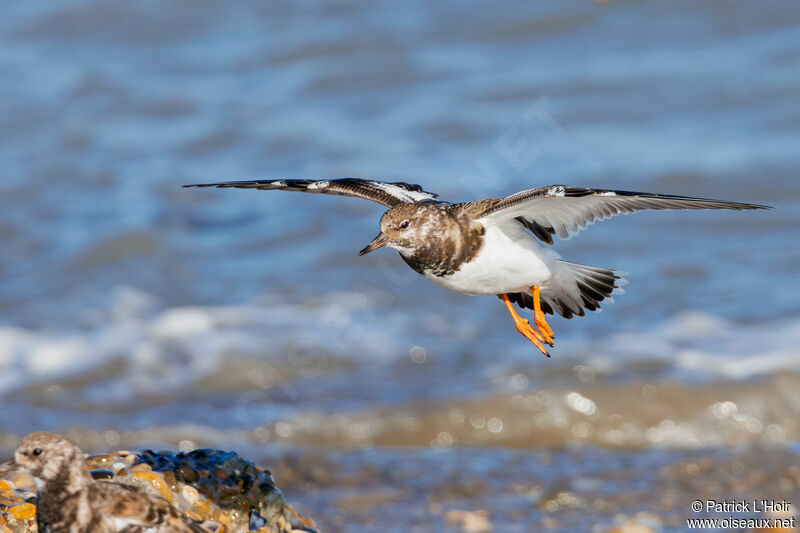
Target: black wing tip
{"x":740,"y":206}
{"x":721,"y":204}
{"x":725,"y":204}
{"x":222,"y":184}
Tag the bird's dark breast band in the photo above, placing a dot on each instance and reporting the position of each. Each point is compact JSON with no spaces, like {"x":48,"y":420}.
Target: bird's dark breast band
{"x":458,"y":239}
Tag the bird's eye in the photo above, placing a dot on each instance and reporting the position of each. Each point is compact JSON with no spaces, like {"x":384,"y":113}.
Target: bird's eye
{"x":37,"y":451}
{"x":404,"y":224}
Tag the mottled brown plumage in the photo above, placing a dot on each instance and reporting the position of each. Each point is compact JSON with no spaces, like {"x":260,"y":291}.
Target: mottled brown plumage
{"x":70,"y":501}
{"x":434,"y":238}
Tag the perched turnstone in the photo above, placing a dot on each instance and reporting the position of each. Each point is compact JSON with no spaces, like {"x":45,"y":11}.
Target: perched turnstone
{"x":70,"y":501}
{"x":493,"y":246}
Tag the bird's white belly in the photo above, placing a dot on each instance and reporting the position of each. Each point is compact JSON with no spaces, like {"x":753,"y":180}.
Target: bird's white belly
{"x":510,"y":260}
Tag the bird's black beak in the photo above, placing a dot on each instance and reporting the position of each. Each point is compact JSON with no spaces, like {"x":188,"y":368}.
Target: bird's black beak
{"x":378,"y":242}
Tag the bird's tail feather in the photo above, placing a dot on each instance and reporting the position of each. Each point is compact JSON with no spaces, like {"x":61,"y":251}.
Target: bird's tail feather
{"x":575,"y":288}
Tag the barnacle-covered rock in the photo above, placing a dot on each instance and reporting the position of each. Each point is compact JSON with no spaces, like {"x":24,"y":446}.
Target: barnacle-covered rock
{"x":203,"y":484}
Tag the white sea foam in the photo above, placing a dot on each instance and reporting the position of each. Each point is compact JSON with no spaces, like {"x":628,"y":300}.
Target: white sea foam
{"x":135,"y":347}
{"x":706,"y":344}
{"x":177,"y":346}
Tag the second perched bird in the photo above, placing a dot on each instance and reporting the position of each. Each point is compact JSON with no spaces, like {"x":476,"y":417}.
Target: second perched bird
{"x":70,"y":501}
{"x":493,"y":246}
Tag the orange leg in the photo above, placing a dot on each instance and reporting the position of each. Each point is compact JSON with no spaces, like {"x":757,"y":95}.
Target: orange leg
{"x":538,"y":317}
{"x":524,"y":327}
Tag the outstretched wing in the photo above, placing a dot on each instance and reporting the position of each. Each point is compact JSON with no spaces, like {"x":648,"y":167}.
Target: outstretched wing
{"x":383,"y":192}
{"x":565,"y":211}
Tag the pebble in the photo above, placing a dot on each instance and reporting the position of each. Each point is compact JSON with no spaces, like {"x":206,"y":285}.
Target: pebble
{"x":21,"y":480}
{"x":23,"y":511}
{"x":190,"y":493}
{"x":156,"y":481}
{"x":469,"y":521}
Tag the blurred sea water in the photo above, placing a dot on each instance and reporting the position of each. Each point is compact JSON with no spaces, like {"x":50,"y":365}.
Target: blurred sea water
{"x":137,"y":313}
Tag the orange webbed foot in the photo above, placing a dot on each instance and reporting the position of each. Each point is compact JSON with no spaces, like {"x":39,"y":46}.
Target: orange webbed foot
{"x":538,"y":317}
{"x":524,"y":327}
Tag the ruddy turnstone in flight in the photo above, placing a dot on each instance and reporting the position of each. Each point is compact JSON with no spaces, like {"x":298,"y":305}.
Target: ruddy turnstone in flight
{"x":70,"y":501}
{"x":496,"y":246}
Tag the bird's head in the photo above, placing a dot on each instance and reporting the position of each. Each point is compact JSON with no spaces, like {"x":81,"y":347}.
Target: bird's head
{"x":45,"y":456}
{"x":405,"y":227}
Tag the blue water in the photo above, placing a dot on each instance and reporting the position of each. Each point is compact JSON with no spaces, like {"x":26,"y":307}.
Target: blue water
{"x":128,"y":304}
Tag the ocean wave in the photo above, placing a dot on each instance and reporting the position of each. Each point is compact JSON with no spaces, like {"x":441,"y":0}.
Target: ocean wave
{"x":134,"y":347}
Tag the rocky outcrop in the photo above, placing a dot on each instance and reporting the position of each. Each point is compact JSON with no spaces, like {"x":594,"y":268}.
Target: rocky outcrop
{"x":203,"y":484}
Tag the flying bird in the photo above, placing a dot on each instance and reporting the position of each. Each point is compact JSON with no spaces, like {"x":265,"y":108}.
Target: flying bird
{"x":71,"y":501}
{"x":499,"y":246}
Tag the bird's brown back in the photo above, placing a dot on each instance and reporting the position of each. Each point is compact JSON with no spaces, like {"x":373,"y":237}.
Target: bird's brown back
{"x":476,"y":208}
